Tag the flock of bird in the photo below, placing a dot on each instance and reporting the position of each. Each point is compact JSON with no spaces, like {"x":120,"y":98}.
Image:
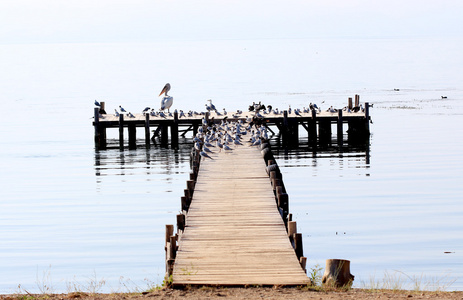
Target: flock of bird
{"x":227,"y":135}
{"x":260,"y":110}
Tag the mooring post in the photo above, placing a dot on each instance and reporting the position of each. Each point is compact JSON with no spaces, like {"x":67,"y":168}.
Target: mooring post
{"x":147,"y":131}
{"x":324,"y":131}
{"x":357,"y":100}
{"x":96,"y":118}
{"x":132,"y":136}
{"x":121,"y":131}
{"x":339,"y":127}
{"x":164,"y":134}
{"x":313,"y":128}
{"x":367,"y":117}
{"x":349,"y":102}
{"x":174,"y":132}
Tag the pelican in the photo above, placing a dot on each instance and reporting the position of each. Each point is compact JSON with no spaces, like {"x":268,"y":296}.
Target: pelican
{"x":167,"y":101}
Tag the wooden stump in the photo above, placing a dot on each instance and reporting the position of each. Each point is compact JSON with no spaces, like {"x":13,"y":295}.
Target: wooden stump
{"x":337,"y":273}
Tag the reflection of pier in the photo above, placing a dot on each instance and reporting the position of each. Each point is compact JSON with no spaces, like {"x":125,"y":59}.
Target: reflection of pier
{"x":317,"y":124}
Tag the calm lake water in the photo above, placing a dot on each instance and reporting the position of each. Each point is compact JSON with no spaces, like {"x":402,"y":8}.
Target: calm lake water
{"x":71,"y":217}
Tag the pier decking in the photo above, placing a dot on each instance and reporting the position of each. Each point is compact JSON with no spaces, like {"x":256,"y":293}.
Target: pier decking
{"x":234,"y":233}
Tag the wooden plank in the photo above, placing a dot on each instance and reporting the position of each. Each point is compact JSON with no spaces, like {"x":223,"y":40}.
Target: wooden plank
{"x":234,"y":234}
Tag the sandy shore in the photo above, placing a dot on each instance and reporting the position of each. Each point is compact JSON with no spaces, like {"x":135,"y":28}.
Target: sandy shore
{"x":251,"y":293}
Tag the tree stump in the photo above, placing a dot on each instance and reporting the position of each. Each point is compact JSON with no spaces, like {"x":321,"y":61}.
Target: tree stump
{"x":337,"y":273}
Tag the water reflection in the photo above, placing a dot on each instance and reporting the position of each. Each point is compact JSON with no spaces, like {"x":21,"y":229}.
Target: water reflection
{"x":156,"y":160}
{"x":305,"y":150}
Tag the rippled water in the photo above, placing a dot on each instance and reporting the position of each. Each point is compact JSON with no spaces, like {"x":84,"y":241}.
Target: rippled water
{"x":70,"y":216}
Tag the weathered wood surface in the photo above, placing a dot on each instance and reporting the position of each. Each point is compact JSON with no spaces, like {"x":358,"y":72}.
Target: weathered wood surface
{"x":234,"y":234}
{"x":140,"y":118}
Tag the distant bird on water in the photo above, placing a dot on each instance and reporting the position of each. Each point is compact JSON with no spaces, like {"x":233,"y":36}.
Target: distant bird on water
{"x":167,"y":101}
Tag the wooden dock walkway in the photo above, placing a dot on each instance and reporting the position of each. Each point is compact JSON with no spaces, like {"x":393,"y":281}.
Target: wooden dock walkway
{"x":234,"y":234}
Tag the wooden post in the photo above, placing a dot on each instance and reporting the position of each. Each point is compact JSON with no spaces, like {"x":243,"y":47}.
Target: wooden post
{"x":174,"y":132}
{"x":292,"y":228}
{"x":164,"y":134}
{"x":285,"y":131}
{"x":324,"y":131}
{"x":121,"y":131}
{"x":313,"y":128}
{"x":303,"y":262}
{"x":349,"y":103}
{"x":339,"y":127}
{"x":180,"y":223}
{"x":337,"y":273}
{"x":173,"y":246}
{"x":367,"y":117}
{"x":169,"y":232}
{"x":298,"y":245}
{"x":190,"y":184}
{"x":147,"y":131}
{"x":357,"y":100}
{"x":96,"y":118}
{"x":132,"y":136}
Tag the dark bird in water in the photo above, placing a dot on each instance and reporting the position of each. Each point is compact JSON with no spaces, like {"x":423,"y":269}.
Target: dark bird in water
{"x":444,"y":97}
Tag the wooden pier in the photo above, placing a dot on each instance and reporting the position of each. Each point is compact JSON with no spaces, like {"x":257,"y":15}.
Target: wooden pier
{"x":317,"y":124}
{"x":235,"y":229}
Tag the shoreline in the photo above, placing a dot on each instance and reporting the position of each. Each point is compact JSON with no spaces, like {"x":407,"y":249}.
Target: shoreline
{"x":275,"y":292}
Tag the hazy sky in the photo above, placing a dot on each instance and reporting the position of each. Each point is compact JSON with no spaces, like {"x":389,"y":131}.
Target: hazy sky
{"x":24,"y":21}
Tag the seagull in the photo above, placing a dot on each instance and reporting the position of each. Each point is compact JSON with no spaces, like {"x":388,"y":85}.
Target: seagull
{"x":122,"y":109}
{"x":204,"y":154}
{"x":116,"y":113}
{"x":97,"y":103}
{"x":225,"y":147}
{"x":167,"y":101}
{"x":146,"y":109}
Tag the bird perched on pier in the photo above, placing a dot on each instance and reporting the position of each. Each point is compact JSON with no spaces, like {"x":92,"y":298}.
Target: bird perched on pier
{"x":97,"y":103}
{"x":204,"y":154}
{"x":210,"y":106}
{"x":122,"y":109}
{"x":167,"y":100}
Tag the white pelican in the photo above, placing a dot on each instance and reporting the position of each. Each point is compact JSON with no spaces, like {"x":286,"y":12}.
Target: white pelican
{"x":167,"y":101}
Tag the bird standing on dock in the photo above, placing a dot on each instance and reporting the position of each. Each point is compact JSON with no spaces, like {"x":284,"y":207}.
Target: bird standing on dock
{"x":122,"y":109}
{"x":204,"y":154}
{"x":167,"y":100}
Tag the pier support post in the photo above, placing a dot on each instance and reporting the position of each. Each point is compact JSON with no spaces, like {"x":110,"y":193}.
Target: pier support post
{"x":174,"y":132}
{"x":339,"y":128}
{"x":324,"y":131}
{"x":132,"y":137}
{"x":100,"y":131}
{"x":147,"y":131}
{"x":313,"y":128}
{"x":367,"y":118}
{"x":164,"y":134}
{"x":121,"y":132}
{"x":349,"y":103}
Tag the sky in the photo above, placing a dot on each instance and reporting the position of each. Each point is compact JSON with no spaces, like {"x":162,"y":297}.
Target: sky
{"x":74,"y":21}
